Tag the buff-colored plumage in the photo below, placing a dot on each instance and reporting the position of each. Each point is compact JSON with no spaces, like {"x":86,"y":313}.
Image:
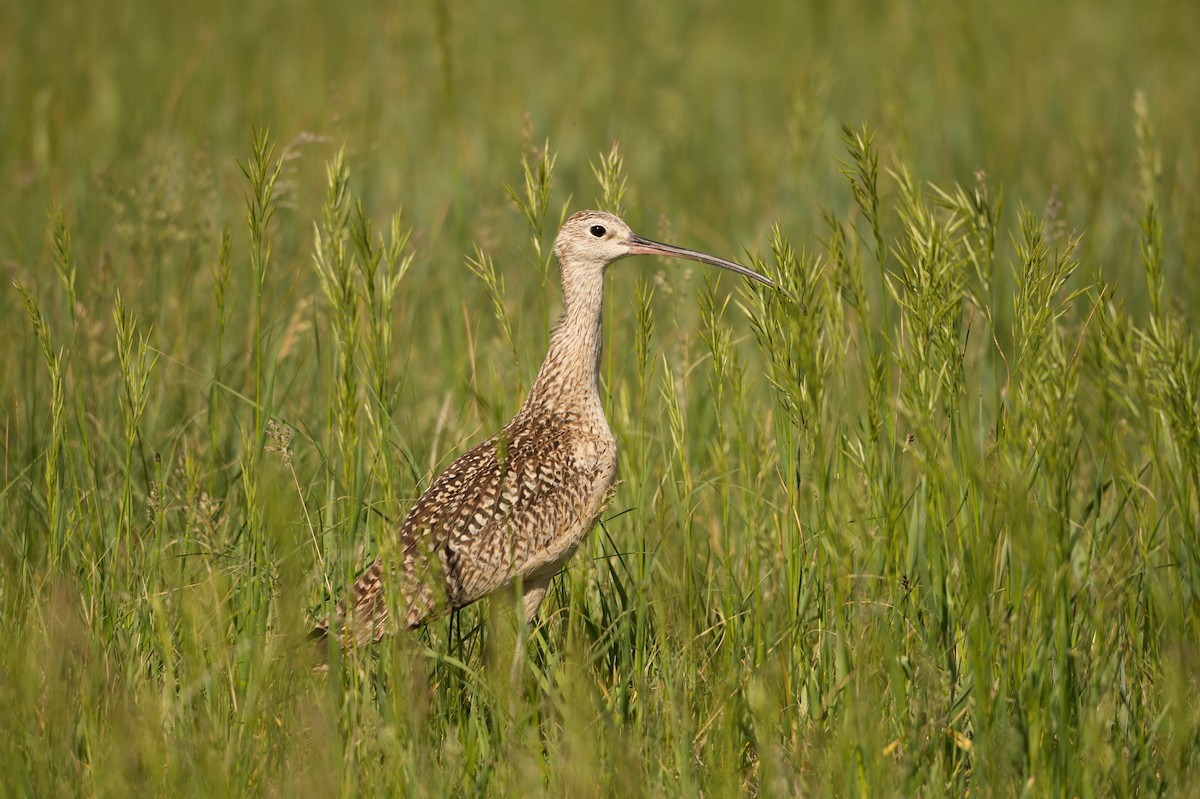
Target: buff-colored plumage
{"x":517,"y":505}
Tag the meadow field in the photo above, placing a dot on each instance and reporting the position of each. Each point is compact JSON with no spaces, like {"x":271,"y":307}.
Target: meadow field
{"x":924,"y":522}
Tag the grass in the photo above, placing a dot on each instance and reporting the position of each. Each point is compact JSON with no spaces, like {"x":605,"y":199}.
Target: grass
{"x":924,"y":523}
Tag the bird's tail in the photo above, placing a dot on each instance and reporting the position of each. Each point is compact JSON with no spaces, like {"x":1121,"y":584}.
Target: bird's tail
{"x":360,"y":617}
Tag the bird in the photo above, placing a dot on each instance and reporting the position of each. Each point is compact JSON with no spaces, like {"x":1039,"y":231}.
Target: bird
{"x":514,"y":508}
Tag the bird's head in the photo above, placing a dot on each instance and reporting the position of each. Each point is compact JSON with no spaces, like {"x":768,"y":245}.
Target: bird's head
{"x":591,"y":240}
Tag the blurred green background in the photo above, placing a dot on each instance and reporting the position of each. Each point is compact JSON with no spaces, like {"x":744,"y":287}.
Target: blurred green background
{"x":727,"y":114}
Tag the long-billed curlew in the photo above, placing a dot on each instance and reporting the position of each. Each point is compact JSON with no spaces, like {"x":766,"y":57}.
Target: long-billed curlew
{"x":516,"y":506}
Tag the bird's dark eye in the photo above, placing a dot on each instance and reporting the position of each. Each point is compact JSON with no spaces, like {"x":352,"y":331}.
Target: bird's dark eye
{"x":597,"y":230}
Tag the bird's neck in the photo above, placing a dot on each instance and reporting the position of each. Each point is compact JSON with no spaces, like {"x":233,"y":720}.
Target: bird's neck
{"x":569,"y":381}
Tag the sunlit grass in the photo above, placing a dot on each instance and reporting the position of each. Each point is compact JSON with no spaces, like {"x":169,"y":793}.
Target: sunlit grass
{"x":923,"y":522}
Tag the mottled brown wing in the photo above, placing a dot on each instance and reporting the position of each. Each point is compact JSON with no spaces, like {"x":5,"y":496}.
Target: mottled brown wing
{"x":495,"y":511}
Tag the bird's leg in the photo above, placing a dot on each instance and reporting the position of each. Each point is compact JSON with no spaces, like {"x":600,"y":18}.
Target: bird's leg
{"x":532,"y":595}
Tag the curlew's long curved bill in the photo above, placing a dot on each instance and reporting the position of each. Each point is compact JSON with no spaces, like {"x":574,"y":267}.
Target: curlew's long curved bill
{"x":640,"y":246}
